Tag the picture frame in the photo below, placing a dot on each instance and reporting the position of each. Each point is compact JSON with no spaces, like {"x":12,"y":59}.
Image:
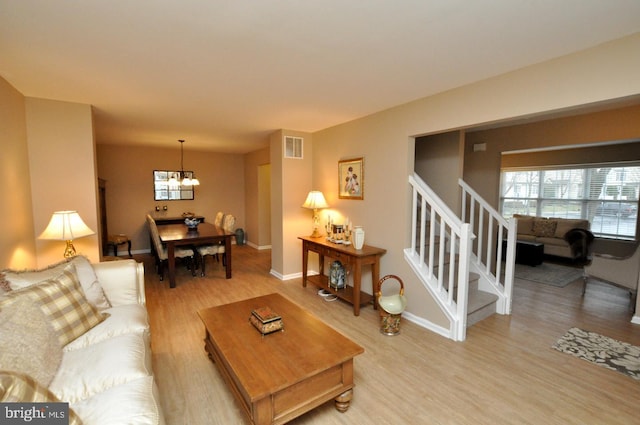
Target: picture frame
{"x":351,"y":178}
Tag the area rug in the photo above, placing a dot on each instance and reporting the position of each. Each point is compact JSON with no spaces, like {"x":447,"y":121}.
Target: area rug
{"x":601,"y":350}
{"x":549,"y":274}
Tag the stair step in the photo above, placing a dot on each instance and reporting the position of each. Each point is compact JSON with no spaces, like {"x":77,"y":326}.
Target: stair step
{"x":480,"y":306}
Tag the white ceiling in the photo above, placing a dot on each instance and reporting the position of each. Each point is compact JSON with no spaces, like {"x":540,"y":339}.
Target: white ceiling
{"x":224,"y":74}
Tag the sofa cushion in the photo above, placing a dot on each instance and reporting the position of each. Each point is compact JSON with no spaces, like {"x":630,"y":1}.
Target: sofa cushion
{"x":527,"y":238}
{"x":525,"y":224}
{"x":63,"y":301}
{"x":132,"y":403}
{"x":28,"y":343}
{"x":98,"y":367}
{"x":86,"y":276}
{"x":21,"y":388}
{"x":130,"y":318}
{"x":552,"y":241}
{"x":564,"y":225}
{"x":544,"y":227}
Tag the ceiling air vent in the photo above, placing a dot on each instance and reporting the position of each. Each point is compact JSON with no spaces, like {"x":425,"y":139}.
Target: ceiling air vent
{"x":293,"y":147}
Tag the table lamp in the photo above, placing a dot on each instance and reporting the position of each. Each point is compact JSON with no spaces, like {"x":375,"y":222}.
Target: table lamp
{"x":66,"y":226}
{"x":315,"y":201}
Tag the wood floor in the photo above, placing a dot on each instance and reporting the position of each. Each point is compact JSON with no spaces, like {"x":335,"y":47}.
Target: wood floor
{"x":504,"y":373}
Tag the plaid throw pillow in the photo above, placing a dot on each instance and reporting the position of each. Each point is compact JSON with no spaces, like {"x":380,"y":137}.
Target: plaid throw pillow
{"x":21,"y":388}
{"x":63,"y":301}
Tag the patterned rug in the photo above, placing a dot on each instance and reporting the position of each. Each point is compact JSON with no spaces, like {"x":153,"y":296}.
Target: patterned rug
{"x":549,"y":274}
{"x":601,"y":350}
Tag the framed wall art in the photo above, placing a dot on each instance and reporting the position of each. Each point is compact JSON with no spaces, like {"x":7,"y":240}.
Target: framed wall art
{"x":351,"y":178}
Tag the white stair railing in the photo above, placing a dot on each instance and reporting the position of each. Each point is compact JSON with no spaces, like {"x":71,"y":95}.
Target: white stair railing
{"x":492,"y":232}
{"x":445,"y":249}
{"x":440,"y":254}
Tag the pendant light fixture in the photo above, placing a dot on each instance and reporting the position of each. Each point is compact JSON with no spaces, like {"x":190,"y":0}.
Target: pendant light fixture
{"x":183,"y":179}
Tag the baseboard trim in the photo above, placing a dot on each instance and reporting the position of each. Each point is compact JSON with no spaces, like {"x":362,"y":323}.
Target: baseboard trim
{"x":427,"y":325}
{"x":290,"y":276}
{"x":258,"y":247}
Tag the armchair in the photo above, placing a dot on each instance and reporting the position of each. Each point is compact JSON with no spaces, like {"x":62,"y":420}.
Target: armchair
{"x":621,"y":268}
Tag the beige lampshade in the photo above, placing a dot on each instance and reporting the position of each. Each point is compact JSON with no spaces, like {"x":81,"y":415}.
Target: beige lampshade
{"x":65,"y":226}
{"x":315,"y":200}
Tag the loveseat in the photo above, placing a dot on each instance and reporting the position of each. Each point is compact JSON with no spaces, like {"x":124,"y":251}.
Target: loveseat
{"x":550,"y":232}
{"x":78,"y":332}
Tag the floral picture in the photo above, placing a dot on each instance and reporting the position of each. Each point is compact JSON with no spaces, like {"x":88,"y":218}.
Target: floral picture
{"x":351,"y":178}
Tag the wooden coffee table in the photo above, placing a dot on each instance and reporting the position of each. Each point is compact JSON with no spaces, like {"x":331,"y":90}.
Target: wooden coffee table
{"x":279,"y":376}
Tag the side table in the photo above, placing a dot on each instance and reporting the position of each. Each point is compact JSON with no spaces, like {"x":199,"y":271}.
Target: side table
{"x":348,"y":256}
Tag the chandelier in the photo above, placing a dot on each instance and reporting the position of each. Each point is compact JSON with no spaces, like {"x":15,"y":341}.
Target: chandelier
{"x":183,"y":178}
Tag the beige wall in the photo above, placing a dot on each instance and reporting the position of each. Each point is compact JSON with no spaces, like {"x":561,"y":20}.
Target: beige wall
{"x":438,"y":163}
{"x":385,"y":140}
{"x":290,"y":183}
{"x":264,"y":206}
{"x":128,"y":171}
{"x":257,"y":196}
{"x":17,"y":243}
{"x":483,"y":168}
{"x":63,"y":172}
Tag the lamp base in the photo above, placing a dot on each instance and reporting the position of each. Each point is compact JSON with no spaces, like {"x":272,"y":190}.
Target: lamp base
{"x":70,"y":250}
{"x":315,"y":234}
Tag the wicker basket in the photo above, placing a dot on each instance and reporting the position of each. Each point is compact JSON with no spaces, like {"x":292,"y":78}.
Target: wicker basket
{"x":390,"y":307}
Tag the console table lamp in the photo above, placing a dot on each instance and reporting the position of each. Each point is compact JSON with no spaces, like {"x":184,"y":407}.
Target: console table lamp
{"x":315,"y":201}
{"x":66,"y":226}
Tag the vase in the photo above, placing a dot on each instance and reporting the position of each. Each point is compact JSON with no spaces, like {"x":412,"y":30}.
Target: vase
{"x":358,"y":237}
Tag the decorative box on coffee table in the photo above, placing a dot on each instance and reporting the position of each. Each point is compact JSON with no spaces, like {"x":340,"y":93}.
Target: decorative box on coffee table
{"x":266,"y":320}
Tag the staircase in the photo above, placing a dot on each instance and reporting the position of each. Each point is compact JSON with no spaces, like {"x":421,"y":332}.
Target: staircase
{"x":456,"y":258}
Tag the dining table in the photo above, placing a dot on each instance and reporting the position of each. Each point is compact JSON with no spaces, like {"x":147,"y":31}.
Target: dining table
{"x":173,"y":235}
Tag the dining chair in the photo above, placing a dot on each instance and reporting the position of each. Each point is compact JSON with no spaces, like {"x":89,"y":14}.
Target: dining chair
{"x":218,"y":220}
{"x":214,"y":250}
{"x":160,"y":250}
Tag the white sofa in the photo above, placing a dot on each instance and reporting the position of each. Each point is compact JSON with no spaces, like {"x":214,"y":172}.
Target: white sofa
{"x":104,"y":373}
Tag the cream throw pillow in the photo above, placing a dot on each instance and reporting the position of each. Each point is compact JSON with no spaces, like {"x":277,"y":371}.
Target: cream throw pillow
{"x":63,"y":301}
{"x":83,"y":269}
{"x":28,"y":343}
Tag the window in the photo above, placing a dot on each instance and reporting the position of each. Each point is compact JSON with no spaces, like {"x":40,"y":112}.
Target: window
{"x":606,"y":195}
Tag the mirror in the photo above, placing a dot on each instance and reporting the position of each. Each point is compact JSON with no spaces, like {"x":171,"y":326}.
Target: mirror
{"x":165,"y":191}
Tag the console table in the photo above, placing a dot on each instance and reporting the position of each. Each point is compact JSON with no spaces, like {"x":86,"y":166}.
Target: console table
{"x":349,"y":257}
